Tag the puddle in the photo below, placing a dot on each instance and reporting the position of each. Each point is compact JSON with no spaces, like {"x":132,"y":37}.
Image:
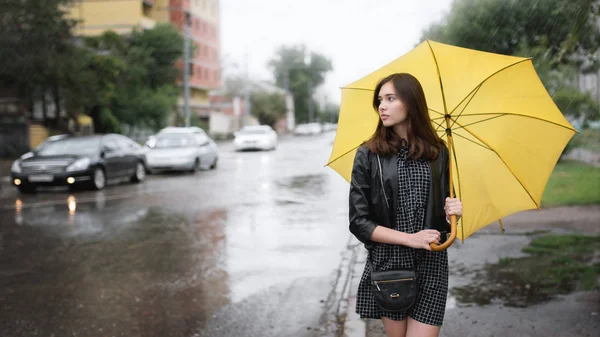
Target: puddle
{"x":555,"y":265}
{"x":129,"y":270}
{"x":311,"y":184}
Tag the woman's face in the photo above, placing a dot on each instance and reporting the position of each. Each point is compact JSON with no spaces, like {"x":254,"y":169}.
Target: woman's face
{"x":391,"y":109}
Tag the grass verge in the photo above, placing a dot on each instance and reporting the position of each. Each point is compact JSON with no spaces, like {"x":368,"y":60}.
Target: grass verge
{"x":556,"y":264}
{"x":572,"y":183}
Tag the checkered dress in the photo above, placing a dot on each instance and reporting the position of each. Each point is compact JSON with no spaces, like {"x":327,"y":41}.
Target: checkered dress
{"x":432,"y":267}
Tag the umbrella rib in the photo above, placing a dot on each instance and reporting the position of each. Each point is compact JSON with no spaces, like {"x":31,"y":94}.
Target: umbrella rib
{"x":437,"y":67}
{"x":505,"y":164}
{"x":521,"y":115}
{"x":473,"y":93}
{"x":340,"y":156}
{"x":352,"y":88}
{"x":487,"y":78}
{"x":481,"y":121}
{"x":472,"y":141}
{"x":437,"y":112}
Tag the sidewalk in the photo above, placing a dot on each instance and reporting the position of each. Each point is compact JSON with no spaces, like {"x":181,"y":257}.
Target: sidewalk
{"x":580,"y":310}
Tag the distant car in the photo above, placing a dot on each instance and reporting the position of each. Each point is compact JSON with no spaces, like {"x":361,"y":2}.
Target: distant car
{"x":308,"y":129}
{"x":89,"y":161}
{"x":329,"y":127}
{"x":255,"y":137}
{"x":181,"y":149}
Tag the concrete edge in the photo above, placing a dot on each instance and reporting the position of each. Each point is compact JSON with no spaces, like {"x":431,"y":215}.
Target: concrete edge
{"x":354,"y":326}
{"x":339,"y":318}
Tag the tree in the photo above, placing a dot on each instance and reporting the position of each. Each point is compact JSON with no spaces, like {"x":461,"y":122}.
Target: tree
{"x":293,"y":70}
{"x":130,"y":79}
{"x":267,"y":107}
{"x":561,"y":36}
{"x":37,"y":47}
{"x":569,"y":28}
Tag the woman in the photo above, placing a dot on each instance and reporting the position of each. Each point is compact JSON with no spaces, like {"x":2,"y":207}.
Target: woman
{"x":404,"y":166}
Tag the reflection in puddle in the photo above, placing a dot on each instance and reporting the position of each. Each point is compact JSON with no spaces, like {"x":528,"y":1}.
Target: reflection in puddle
{"x":132,"y":272}
{"x":313,"y":184}
{"x":72,"y":204}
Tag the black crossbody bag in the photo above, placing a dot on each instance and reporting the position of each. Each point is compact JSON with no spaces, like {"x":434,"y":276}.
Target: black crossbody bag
{"x":397,"y":289}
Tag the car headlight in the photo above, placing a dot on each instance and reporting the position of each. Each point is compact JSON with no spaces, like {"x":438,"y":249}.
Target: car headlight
{"x":79,"y":165}
{"x":16,"y":166}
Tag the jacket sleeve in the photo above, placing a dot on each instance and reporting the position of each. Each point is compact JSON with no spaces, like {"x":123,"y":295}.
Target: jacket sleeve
{"x":360,"y":186}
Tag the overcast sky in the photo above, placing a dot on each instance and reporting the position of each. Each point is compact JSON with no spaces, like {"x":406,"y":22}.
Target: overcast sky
{"x":358,"y":36}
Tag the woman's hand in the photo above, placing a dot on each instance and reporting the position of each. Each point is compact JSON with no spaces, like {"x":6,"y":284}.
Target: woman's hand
{"x":453,"y":207}
{"x":422,"y":239}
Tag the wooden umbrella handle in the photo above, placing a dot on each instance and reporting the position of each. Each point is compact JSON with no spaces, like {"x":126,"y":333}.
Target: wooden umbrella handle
{"x":435,"y":247}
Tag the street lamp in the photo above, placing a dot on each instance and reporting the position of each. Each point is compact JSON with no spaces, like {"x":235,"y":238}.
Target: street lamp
{"x":186,"y":58}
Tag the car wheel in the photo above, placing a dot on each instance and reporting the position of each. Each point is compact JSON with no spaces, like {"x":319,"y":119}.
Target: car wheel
{"x":98,"y":179}
{"x":196,"y":167}
{"x":26,"y":189}
{"x":140,"y":173}
{"x":214,"y":164}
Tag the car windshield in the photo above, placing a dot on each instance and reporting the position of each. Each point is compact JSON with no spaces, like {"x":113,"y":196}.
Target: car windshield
{"x":253,"y":131}
{"x":70,"y":146}
{"x":173,"y":140}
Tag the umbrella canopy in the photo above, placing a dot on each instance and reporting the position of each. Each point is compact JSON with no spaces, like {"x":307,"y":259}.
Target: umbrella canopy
{"x":503,"y":130}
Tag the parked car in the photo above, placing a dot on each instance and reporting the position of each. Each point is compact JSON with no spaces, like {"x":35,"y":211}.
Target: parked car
{"x":255,"y":137}
{"x":308,"y":129}
{"x":89,"y":161}
{"x":181,"y":149}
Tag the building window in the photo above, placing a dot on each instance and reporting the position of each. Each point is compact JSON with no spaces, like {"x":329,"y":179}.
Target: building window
{"x":191,"y":68}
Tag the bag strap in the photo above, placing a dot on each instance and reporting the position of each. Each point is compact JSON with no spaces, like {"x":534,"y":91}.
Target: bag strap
{"x":369,"y":258}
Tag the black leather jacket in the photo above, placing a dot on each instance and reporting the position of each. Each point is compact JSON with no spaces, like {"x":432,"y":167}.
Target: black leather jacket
{"x":367,"y":206}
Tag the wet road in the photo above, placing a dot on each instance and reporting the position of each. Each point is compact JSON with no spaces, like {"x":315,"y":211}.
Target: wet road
{"x":249,"y":249}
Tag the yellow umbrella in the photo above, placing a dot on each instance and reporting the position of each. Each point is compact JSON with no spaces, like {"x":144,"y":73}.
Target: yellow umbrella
{"x":506,"y":134}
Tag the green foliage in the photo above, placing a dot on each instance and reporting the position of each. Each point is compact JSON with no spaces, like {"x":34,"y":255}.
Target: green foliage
{"x":572,"y":183}
{"x":587,"y":139}
{"x":36,"y":46}
{"x":561,"y":36}
{"x":114,"y":79}
{"x":330,"y":113}
{"x":301,"y":76}
{"x":556,"y":264}
{"x":559,"y":80}
{"x":133,"y":77}
{"x":569,"y":28}
{"x":162,"y":46}
{"x":268,"y":108}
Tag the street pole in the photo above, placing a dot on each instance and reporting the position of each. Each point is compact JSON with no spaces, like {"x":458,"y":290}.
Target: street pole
{"x":186,"y":69}
{"x":310,"y":107}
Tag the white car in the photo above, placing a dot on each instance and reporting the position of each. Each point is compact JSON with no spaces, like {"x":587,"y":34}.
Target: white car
{"x":308,"y":129}
{"x":181,"y":149}
{"x":256,"y":137}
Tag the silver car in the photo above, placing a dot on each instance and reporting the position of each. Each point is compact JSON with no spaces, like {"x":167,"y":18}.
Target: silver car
{"x":181,"y":149}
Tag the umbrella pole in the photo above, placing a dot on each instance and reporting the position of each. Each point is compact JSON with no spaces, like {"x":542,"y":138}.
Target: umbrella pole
{"x":450,"y":240}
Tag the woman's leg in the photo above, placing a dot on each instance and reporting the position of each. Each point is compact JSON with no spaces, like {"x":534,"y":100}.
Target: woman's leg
{"x":394,"y":328}
{"x":418,"y":329}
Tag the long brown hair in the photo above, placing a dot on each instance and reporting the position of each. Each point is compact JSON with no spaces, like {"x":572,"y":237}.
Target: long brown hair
{"x":422,"y":139}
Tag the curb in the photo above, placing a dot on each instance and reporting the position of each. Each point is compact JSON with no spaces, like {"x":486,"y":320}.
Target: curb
{"x":354,"y":326}
{"x":339,"y":319}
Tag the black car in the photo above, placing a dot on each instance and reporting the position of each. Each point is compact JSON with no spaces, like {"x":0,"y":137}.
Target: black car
{"x":88,"y":161}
